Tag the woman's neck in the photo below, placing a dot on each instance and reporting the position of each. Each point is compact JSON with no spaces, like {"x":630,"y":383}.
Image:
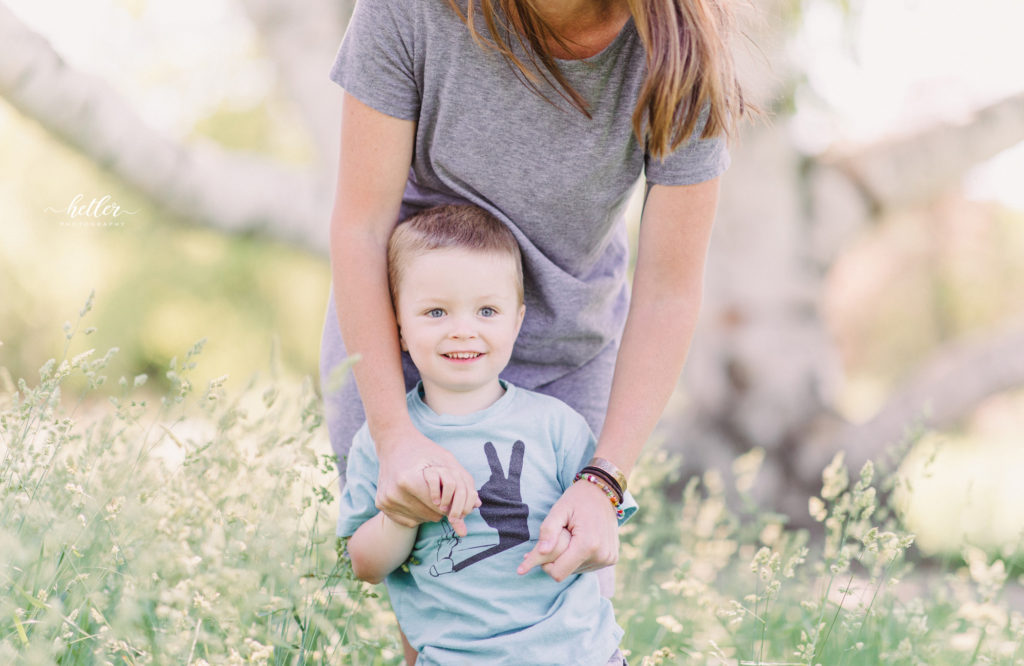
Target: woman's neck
{"x":587,"y":26}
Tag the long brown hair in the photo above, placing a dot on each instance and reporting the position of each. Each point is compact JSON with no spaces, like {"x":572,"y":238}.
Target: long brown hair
{"x":689,"y":65}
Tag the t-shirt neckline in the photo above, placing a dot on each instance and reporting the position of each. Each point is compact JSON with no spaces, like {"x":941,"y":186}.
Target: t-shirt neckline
{"x":424,"y":411}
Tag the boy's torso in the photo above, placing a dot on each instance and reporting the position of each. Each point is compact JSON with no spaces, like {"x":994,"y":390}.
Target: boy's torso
{"x":460,"y":597}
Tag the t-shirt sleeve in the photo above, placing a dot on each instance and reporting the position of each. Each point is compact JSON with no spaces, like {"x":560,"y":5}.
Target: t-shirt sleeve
{"x":375,"y":62}
{"x":578,"y":445}
{"x":358,"y":499}
{"x":694,"y":161}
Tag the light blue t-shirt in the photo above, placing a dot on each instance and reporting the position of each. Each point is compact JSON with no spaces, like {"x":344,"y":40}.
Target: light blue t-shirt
{"x":461,"y":600}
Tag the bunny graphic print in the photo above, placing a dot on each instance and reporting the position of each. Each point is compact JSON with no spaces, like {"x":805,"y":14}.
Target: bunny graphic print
{"x":459,"y":599}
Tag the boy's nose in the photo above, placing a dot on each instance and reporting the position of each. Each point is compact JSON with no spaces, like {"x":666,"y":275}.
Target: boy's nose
{"x":462,"y":327}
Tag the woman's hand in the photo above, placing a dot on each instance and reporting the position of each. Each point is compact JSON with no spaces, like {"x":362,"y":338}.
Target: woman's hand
{"x":420,"y":482}
{"x":585,"y":513}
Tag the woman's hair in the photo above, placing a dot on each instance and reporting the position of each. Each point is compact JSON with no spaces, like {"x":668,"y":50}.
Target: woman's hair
{"x":689,"y":65}
{"x":452,"y":226}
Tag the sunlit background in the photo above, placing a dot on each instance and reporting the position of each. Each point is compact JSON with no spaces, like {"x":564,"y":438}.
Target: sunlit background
{"x":871,"y":71}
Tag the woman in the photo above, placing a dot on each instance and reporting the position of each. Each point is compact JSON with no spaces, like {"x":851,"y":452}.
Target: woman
{"x":545,"y":114}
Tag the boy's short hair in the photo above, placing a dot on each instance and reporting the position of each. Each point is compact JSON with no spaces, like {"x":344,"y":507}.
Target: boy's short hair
{"x":463,"y":226}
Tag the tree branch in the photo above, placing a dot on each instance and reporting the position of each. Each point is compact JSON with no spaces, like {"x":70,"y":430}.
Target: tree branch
{"x":951,"y":385}
{"x":916,"y":168}
{"x":233,"y":192}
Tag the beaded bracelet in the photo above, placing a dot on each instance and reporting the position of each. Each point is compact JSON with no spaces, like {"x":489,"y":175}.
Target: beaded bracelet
{"x":609,"y":493}
{"x":606,"y":477}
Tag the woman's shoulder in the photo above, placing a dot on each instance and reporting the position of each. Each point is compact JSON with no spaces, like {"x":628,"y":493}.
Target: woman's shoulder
{"x":407,"y":14}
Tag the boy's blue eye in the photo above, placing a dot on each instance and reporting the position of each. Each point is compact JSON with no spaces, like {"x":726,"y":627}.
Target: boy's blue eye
{"x":436,"y":312}
{"x":488,"y":312}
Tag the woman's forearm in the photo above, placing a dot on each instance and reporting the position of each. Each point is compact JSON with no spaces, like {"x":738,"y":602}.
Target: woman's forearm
{"x":368,"y":328}
{"x":373,"y":166}
{"x":667,"y":287}
{"x":651,"y":356}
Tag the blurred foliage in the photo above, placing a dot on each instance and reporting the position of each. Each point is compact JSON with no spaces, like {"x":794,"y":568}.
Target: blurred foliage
{"x":270,"y":128}
{"x":161,"y":282}
{"x":916,"y":281}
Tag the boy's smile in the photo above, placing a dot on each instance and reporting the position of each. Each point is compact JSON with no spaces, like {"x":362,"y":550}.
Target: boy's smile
{"x":459,"y":313}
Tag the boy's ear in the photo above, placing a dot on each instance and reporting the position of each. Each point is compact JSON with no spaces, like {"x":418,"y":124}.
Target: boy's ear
{"x":401,"y":340}
{"x":519,"y":322}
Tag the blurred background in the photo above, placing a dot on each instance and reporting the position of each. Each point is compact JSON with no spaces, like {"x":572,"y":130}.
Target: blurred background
{"x":865,"y":291}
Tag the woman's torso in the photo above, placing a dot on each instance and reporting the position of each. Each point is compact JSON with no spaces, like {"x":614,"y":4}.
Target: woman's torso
{"x":560,"y":180}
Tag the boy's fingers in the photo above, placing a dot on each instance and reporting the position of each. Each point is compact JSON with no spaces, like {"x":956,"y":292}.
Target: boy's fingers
{"x":459,"y":525}
{"x":458,"y":500}
{"x":433,"y":479}
{"x":470,"y":502}
{"x":530,"y":560}
{"x":534,"y":558}
{"x":448,"y":490}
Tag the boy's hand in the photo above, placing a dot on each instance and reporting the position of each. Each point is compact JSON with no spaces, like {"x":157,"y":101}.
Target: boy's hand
{"x":404,"y":490}
{"x":452,"y":498}
{"x":584,"y":511}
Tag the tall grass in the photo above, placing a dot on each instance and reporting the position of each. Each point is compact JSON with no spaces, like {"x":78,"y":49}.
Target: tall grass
{"x":198,"y":528}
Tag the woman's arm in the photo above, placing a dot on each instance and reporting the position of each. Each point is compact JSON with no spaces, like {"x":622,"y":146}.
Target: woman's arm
{"x":675,"y":230}
{"x":668,"y":286}
{"x":376,"y":151}
{"x":378,"y":547}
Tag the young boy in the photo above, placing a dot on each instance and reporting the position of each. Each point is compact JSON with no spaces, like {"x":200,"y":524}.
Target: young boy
{"x":457,"y":288}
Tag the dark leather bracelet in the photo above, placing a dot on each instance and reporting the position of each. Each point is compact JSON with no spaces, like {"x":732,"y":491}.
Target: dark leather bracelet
{"x":606,"y":477}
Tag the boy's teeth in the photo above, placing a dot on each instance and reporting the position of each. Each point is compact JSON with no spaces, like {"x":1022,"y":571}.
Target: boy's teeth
{"x":462,"y":355}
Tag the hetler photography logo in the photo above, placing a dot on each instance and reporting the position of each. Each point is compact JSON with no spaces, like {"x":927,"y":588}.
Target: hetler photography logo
{"x":102,"y":212}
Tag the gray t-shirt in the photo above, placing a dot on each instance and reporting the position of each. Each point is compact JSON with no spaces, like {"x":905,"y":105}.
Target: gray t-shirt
{"x":559,"y":180}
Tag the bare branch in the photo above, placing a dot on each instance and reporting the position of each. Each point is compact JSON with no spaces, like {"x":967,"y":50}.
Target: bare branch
{"x":233,"y":192}
{"x":953,"y":382}
{"x":915,"y":169}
